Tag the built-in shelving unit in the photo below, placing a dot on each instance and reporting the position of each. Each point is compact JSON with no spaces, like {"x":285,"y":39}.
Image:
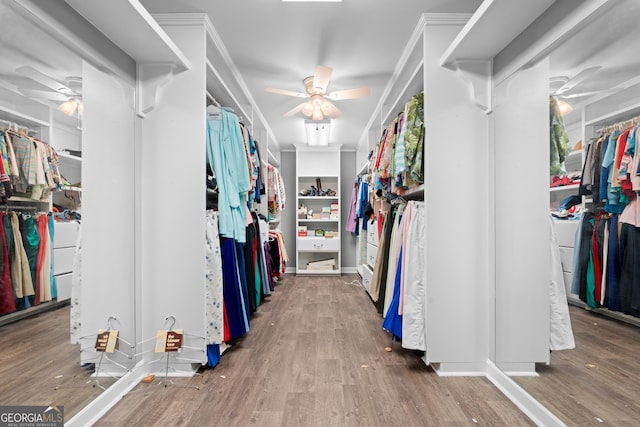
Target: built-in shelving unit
{"x":318,"y":219}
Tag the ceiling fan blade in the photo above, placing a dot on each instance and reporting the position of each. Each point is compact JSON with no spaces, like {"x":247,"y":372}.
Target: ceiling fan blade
{"x":294,"y":110}
{"x":43,"y":94}
{"x":321,"y":78}
{"x":582,"y":94}
{"x":285,"y":92}
{"x":332,"y":111}
{"x":359,"y":92}
{"x":44,"y":80}
{"x":581,"y":76}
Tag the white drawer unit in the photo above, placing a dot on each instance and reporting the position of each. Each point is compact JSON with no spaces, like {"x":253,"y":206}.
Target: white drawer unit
{"x":372,"y":252}
{"x":372,"y":233}
{"x":65,"y":234}
{"x":65,"y":238}
{"x":566,"y":255}
{"x":367,"y":274}
{"x":318,"y":244}
{"x":63,"y":260}
{"x":63,"y":285}
{"x":565,"y":233}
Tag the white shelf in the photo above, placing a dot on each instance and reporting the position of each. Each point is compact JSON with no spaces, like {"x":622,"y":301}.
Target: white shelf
{"x":336,"y":197}
{"x":479,"y":39}
{"x":318,"y":272}
{"x":21,"y":119}
{"x":564,"y":188}
{"x":318,"y":220}
{"x":615,"y":116}
{"x":145,"y":41}
{"x":64,"y":154}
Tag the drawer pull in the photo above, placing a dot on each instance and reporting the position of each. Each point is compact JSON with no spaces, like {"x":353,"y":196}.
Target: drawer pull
{"x":318,"y":246}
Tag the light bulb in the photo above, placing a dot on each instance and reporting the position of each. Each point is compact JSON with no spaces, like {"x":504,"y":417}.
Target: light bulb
{"x":317,"y":115}
{"x":68,"y":107}
{"x":307,"y":110}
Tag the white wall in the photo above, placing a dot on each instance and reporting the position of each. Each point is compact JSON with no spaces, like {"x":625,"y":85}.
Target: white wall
{"x":456,"y":194}
{"x":521,"y":118}
{"x":172,"y":194}
{"x":348,"y":171}
{"x":108,"y":262}
{"x":288,"y":218}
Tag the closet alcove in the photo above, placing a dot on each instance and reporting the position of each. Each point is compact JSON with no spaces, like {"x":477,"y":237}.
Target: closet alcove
{"x":607,"y":336}
{"x":53,"y":40}
{"x":563,"y":40}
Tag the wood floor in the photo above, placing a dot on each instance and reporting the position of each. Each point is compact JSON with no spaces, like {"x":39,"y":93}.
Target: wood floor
{"x":39,"y":366}
{"x":315,"y":357}
{"x":597,"y":383}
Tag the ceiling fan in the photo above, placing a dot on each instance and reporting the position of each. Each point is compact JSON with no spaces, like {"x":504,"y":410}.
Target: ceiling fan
{"x":68,"y":94}
{"x":560,"y":86}
{"x":318,"y":106}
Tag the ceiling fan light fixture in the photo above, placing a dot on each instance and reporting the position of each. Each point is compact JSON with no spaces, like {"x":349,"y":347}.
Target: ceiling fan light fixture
{"x":68,"y":107}
{"x":564,"y":107}
{"x":307,"y":109}
{"x":317,"y":114}
{"x":325,"y":107}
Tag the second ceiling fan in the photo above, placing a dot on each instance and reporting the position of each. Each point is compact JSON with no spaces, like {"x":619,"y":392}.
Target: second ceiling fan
{"x":318,"y":106}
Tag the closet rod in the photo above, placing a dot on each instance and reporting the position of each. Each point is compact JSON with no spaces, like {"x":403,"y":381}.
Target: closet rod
{"x":16,"y":126}
{"x":213,"y":100}
{"x":621,"y":125}
{"x":7,"y":208}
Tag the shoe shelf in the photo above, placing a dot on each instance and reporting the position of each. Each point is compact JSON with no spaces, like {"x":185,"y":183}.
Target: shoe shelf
{"x":318,"y":197}
{"x":564,"y":187}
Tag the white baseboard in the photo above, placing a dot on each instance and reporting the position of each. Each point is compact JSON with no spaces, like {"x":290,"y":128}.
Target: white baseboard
{"x":523,"y":400}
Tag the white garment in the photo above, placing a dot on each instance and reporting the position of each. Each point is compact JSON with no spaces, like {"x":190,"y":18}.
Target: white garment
{"x":214,"y":321}
{"x":561,"y":334}
{"x":414,"y":322}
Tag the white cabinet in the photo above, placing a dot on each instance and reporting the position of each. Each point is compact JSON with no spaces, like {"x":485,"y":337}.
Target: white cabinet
{"x":64,"y":249}
{"x":318,"y":219}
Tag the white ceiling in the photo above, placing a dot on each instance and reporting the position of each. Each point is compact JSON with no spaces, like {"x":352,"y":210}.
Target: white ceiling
{"x":279,"y":44}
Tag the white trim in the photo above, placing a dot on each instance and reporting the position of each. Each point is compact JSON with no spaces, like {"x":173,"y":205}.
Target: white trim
{"x":91,"y":413}
{"x":523,"y":400}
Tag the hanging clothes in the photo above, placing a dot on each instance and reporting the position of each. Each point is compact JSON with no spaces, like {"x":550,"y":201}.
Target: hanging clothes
{"x":394,"y":255}
{"x":20,"y":266}
{"x":561,"y":333}
{"x":227,"y":157}
{"x":233,"y":292}
{"x":415,"y":297}
{"x":559,"y":139}
{"x":7,"y":301}
{"x":605,"y":272}
{"x":214,"y":303}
